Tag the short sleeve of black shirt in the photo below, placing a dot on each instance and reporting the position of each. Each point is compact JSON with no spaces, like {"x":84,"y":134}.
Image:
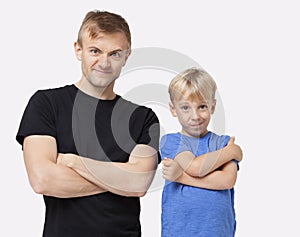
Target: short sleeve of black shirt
{"x":151,"y":131}
{"x":38,"y":118}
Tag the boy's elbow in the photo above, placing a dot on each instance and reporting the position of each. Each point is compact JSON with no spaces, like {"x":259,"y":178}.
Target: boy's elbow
{"x":229,"y":183}
{"x":195,"y":172}
{"x":192,"y":171}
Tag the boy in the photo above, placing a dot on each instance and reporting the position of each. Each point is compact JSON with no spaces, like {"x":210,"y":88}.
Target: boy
{"x":198,"y":197}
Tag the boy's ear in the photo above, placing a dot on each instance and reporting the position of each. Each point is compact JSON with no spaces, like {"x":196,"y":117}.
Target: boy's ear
{"x":172,"y":109}
{"x":213,"y":106}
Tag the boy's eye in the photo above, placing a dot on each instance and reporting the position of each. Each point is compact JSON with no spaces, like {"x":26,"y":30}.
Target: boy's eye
{"x":203,"y":107}
{"x":185,"y":107}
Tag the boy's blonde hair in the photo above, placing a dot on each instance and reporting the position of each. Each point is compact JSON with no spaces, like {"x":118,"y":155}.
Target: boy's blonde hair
{"x":193,"y":83}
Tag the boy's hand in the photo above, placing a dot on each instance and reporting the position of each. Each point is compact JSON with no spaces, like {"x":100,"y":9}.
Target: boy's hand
{"x":235,"y":149}
{"x":171,"y":169}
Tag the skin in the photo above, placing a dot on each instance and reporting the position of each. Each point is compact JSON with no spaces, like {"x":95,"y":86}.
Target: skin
{"x":213,"y":170}
{"x":102,"y":60}
{"x":194,"y":116}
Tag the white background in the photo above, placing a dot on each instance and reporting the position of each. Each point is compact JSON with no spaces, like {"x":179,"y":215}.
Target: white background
{"x":252,"y":50}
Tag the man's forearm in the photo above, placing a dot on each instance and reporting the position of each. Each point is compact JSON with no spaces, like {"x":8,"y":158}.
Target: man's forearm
{"x":49,"y":178}
{"x":119,"y":178}
{"x":64,"y":182}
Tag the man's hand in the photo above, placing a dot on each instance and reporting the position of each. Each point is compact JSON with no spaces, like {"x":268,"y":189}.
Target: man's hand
{"x":65,"y":159}
{"x":171,"y":169}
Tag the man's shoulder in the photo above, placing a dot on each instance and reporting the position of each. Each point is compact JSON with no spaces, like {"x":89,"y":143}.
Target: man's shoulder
{"x":54,"y":90}
{"x":138,"y":108}
{"x":52,"y":93}
{"x":130,"y":103}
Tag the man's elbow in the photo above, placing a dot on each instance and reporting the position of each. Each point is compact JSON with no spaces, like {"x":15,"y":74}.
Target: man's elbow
{"x":140,"y":190}
{"x":39,"y":184}
{"x":38,"y":188}
{"x":140,"y":194}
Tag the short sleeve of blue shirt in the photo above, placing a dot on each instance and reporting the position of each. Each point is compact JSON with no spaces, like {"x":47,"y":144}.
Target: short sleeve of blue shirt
{"x":173,"y":144}
{"x":218,"y":142}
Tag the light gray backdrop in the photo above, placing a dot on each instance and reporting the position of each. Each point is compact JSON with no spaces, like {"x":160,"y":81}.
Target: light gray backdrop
{"x":252,"y":50}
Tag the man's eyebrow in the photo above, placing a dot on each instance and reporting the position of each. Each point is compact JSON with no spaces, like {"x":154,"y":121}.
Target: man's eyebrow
{"x":116,"y":50}
{"x":112,"y":51}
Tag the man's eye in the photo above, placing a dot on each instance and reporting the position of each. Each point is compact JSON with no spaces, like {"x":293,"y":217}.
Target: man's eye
{"x":116,"y":54}
{"x":94,"y":51}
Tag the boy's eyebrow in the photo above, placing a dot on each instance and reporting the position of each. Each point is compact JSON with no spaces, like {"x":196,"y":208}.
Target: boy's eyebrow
{"x":182,"y":102}
{"x":187,"y":101}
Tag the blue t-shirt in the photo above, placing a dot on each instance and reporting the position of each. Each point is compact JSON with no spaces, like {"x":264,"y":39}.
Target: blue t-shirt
{"x":192,"y":211}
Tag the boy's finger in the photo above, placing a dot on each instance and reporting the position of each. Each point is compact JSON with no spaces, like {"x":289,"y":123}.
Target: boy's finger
{"x":231,"y":141}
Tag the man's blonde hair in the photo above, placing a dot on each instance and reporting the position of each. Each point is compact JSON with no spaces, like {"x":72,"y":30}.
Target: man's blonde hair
{"x":193,"y":83}
{"x":102,"y":21}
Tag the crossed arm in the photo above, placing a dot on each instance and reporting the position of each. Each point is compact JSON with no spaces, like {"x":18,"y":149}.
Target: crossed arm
{"x":73,"y":176}
{"x":214,"y":170}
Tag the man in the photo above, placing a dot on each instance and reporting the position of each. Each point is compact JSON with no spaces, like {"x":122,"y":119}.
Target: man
{"x":91,"y":153}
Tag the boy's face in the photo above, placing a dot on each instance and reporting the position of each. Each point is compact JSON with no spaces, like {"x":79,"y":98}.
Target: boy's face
{"x":102,"y":58}
{"x":193,"y":115}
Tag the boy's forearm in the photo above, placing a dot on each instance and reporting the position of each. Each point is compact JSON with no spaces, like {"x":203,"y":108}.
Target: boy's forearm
{"x":211,"y":161}
{"x":214,"y":181}
{"x":206,"y":163}
{"x":220,"y":179}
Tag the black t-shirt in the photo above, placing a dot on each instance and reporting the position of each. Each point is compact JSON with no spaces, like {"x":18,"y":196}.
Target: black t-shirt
{"x":105,"y":130}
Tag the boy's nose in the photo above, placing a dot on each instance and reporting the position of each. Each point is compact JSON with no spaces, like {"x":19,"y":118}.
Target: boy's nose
{"x":195,"y":114}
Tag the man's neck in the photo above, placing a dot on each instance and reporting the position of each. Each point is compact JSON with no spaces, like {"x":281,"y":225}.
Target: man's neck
{"x":106,"y":93}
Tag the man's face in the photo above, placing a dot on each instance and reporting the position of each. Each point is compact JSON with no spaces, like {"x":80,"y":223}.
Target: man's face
{"x":102,"y":58}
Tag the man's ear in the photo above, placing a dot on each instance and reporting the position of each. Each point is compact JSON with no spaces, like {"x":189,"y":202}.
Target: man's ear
{"x":128,"y":52}
{"x":213,"y":106}
{"x":78,"y":51}
{"x":172,"y":109}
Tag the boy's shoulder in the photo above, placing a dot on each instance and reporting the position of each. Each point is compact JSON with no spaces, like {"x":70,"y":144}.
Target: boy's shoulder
{"x":170,"y":140}
{"x":217,"y":142}
{"x":170,"y":136}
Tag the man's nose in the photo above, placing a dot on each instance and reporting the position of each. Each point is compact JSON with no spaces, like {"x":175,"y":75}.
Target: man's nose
{"x":104,"y":61}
